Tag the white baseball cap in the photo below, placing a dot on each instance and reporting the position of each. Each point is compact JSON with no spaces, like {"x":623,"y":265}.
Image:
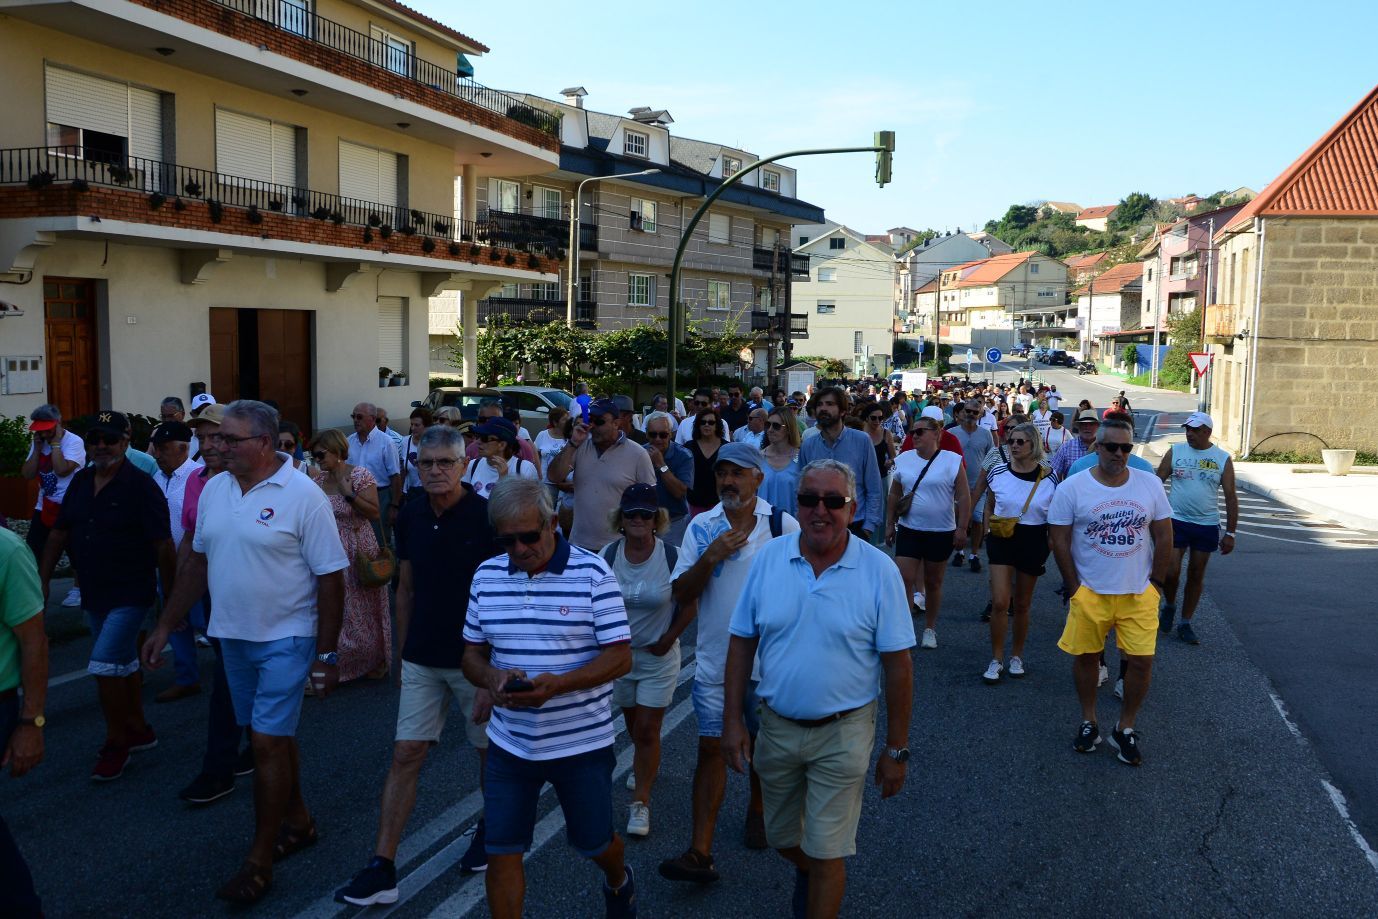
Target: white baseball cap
{"x":201,"y":399}
{"x":932,"y":411}
{"x":1199,"y":420}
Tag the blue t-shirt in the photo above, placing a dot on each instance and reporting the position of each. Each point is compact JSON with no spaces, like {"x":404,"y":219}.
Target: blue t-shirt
{"x":681,"y":463}
{"x":1090,"y":459}
{"x":780,"y":488}
{"x":583,"y":401}
{"x":1196,"y":483}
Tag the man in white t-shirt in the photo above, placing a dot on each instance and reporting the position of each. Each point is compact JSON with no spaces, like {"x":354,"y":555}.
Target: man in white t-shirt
{"x":1054,"y":398}
{"x":54,"y":457}
{"x":1111,"y":534}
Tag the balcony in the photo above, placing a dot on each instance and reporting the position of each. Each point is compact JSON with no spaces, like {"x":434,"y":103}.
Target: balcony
{"x":1222,"y":323}
{"x":764,"y":322}
{"x":765,"y":258}
{"x":548,"y":232}
{"x":588,"y":237}
{"x":536,"y":311}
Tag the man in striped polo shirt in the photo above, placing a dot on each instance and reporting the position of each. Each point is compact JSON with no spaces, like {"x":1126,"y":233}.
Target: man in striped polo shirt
{"x":546,"y":634}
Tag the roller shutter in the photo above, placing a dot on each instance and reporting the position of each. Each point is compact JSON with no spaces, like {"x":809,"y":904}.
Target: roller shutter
{"x":392,"y":333}
{"x":368,"y":174}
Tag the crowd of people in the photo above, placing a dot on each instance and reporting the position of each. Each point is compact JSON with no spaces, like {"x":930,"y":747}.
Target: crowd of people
{"x":545,"y":583}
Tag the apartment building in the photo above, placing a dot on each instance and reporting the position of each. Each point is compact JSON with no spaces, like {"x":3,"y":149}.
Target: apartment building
{"x":921,"y":264}
{"x":980,"y":304}
{"x":737,"y":264}
{"x":1174,"y":265}
{"x":848,"y":298}
{"x":252,"y":198}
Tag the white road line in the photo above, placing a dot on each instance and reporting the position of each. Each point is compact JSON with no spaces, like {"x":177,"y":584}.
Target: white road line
{"x":67,"y":678}
{"x":472,"y":893}
{"x":1282,"y":713}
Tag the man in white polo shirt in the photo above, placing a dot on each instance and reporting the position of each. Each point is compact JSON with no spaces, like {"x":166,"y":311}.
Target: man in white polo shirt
{"x":375,"y":451}
{"x":267,"y":545}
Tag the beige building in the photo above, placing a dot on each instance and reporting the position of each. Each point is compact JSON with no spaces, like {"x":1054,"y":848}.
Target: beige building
{"x":848,"y":298}
{"x":208,"y":195}
{"x":1293,"y":328}
{"x":981,"y":303}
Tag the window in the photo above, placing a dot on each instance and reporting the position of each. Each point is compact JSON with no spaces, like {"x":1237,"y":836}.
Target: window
{"x":104,"y":121}
{"x":827,"y":274}
{"x":392,"y":333}
{"x":1045,"y":293}
{"x":719,"y":295}
{"x":1183,"y":266}
{"x":547,"y":202}
{"x":1149,"y":279}
{"x":1033,"y":267}
{"x":368,"y":174}
{"x":391,"y":52}
{"x":643,"y":215}
{"x":856,"y":343}
{"x":827,"y":306}
{"x":507,"y":197}
{"x":803,"y":240}
{"x":255,"y":149}
{"x":837,"y":242}
{"x":292,"y":15}
{"x":731,"y":165}
{"x":634,"y":143}
{"x":641,"y":290}
{"x":770,"y":180}
{"x":546,"y":291}
{"x":720,"y":229}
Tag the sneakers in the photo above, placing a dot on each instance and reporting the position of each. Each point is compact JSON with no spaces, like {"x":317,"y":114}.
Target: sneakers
{"x":1187,"y":633}
{"x":621,"y":903}
{"x":957,"y":559}
{"x":377,"y":883}
{"x":73,"y":598}
{"x":974,"y":563}
{"x":245,"y":764}
{"x":475,"y":858}
{"x":930,"y":639}
{"x":202,"y":641}
{"x":206,"y":788}
{"x":1088,"y":737}
{"x":918,"y":600}
{"x":1016,"y":667}
{"x":985,"y":613}
{"x":631,"y":780}
{"x":691,"y":866}
{"x":1119,"y":689}
{"x":1104,"y":675}
{"x":1126,"y":743}
{"x":754,"y":834}
{"x":110,"y":763}
{"x":1166,"y":614}
{"x":992,"y":674}
{"x":146,"y":740}
{"x":639,"y":823}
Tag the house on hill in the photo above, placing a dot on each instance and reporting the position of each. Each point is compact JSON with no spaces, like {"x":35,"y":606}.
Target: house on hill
{"x":847,"y":299}
{"x":980,"y":303}
{"x":1097,"y":218}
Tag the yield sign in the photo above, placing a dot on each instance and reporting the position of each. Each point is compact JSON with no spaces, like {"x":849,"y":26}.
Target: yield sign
{"x":1201,"y":360}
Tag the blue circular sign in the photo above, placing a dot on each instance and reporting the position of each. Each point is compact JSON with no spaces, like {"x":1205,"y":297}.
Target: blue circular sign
{"x":993,"y":355}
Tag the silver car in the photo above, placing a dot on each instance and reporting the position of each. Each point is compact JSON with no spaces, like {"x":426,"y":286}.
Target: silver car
{"x":535,"y":403}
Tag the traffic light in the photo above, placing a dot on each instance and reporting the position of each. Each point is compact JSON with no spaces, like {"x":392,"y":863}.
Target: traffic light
{"x":885,"y":143}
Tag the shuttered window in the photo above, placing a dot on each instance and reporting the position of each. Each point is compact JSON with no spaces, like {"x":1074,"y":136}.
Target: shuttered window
{"x":79,"y":103}
{"x":255,"y":148}
{"x":368,"y":174}
{"x":392,"y":333}
{"x":719,"y":228}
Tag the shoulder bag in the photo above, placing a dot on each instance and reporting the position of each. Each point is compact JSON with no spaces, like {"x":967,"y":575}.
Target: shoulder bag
{"x":1004,"y":526}
{"x":903,"y":504}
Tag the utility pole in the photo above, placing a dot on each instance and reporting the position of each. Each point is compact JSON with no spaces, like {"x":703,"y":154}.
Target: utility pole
{"x":937,"y":329}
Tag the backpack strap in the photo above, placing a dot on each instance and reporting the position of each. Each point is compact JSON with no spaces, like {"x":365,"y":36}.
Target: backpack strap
{"x":610,"y":552}
{"x":777,"y":521}
{"x":473,"y":466}
{"x":671,"y":557}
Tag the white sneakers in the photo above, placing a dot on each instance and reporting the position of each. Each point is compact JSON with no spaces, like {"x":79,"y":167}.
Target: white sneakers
{"x":73,"y":598}
{"x":992,"y":674}
{"x":1016,"y":667}
{"x":1104,"y":675}
{"x":930,"y":638}
{"x":919,"y":600}
{"x":639,"y":823}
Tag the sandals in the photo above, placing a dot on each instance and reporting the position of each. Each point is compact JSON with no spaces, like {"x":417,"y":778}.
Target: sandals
{"x":248,"y":886}
{"x":291,"y":841}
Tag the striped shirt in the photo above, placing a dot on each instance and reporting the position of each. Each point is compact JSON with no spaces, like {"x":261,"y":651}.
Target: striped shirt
{"x":553,"y":622}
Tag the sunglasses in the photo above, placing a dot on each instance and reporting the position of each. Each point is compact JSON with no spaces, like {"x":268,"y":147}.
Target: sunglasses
{"x":776,"y":425}
{"x":1018,"y":441}
{"x":108,"y":440}
{"x":875,"y":419}
{"x":638,"y":515}
{"x":831,"y":502}
{"x":508,"y":540}
{"x":318,"y":455}
{"x":699,"y":404}
{"x":1126,"y":449}
{"x":658,"y":434}
{"x":599,"y":420}
{"x":287,"y":445}
{"x":356,"y":416}
{"x":709,"y":422}
{"x":921,"y":430}
{"x":490,"y":439}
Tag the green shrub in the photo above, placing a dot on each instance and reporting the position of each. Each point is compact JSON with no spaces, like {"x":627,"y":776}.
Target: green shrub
{"x":15,"y":440}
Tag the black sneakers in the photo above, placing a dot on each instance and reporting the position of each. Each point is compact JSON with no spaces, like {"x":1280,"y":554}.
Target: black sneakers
{"x":957,"y":559}
{"x":1088,"y":737}
{"x":377,"y":883}
{"x":206,"y":788}
{"x":1166,"y":613}
{"x":974,"y":563}
{"x":1127,"y":744}
{"x":691,"y":866}
{"x":475,"y":858}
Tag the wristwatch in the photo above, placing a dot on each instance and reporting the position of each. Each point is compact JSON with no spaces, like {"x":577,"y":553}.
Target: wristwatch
{"x":37,"y":721}
{"x":329,"y":657}
{"x":898,"y":754}
{"x":663,"y":469}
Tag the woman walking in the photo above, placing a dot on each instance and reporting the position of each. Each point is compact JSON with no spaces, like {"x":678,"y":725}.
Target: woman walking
{"x":781,"y":483}
{"x":933,"y":484}
{"x":499,"y":451}
{"x":366,"y":636}
{"x":707,"y":439}
{"x":1021,"y":489}
{"x":884,"y":443}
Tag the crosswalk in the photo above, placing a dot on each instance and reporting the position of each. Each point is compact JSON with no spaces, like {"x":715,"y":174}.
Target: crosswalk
{"x":1264,"y":518}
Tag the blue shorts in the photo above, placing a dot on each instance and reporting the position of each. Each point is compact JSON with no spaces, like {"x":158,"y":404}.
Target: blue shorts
{"x":710,"y":701}
{"x":116,"y":649}
{"x":512,"y":789}
{"x":1199,"y":537}
{"x":267,"y":681}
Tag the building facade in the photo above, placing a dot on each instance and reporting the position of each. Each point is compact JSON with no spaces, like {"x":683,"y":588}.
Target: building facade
{"x":980,"y":302}
{"x":849,"y":299}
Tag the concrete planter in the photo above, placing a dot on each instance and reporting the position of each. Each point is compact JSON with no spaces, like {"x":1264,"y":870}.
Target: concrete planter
{"x":1338,"y":462}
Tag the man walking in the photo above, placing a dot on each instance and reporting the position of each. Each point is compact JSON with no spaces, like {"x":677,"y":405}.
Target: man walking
{"x":851,"y":447}
{"x":546,"y":634}
{"x":754,"y":431}
{"x":1087,"y":424}
{"x":267,"y":545}
{"x":825,"y":616}
{"x":441,"y":542}
{"x":674,"y":469}
{"x":708,"y":580}
{"x":975,"y":442}
{"x":1112,"y":541}
{"x":114,"y":524}
{"x":171,"y":444}
{"x":604,"y":463}
{"x":1198,"y":471}
{"x":375,"y":451}
{"x":735,"y":411}
{"x":54,"y":457}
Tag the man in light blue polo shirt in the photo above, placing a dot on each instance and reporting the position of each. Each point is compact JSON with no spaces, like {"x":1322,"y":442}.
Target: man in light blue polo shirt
{"x":824,"y":614}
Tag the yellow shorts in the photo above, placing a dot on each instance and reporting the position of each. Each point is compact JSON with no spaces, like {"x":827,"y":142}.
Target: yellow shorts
{"x":1090,"y":617}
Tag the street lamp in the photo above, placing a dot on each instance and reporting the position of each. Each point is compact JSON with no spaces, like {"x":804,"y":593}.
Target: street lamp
{"x":573,"y":278}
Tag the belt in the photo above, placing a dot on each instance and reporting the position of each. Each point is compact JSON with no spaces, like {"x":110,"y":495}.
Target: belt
{"x":816,"y":722}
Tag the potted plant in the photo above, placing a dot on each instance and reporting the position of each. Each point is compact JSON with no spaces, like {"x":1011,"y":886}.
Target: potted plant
{"x":398,"y":379}
{"x":1338,"y":462}
{"x":383,"y":374}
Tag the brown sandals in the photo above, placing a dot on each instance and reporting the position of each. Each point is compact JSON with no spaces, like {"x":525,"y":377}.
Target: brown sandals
{"x":247,"y":886}
{"x":291,"y":841}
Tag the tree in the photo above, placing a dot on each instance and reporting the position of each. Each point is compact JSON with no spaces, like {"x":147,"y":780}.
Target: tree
{"x":1019,"y":216}
{"x":1132,"y":210}
{"x":1184,"y":333}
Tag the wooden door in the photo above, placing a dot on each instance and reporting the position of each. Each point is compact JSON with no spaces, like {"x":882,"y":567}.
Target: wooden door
{"x":284,"y":363}
{"x":224,"y":339}
{"x":69,"y":308}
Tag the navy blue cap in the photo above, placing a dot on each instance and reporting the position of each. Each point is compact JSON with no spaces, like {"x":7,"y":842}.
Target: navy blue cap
{"x":603,"y":407}
{"x":497,"y":427}
{"x":640,"y":497}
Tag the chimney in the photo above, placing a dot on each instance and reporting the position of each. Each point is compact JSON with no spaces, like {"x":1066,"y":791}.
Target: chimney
{"x":574,"y":96}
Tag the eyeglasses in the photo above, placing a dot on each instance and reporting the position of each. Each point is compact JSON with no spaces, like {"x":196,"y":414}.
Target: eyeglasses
{"x":701,"y":403}
{"x":658,"y":435}
{"x":529,"y":538}
{"x":442,"y":464}
{"x":98,"y":437}
{"x":776,"y":425}
{"x":875,"y":419}
{"x":230,"y":440}
{"x":734,"y":395}
{"x":1018,"y":441}
{"x":287,"y":446}
{"x":598,"y":420}
{"x":709,"y":422}
{"x":356,"y":416}
{"x":831,"y":502}
{"x":1118,"y":448}
{"x":922,"y":429}
{"x":490,"y":439}
{"x":638,"y":515}
{"x":318,"y":455}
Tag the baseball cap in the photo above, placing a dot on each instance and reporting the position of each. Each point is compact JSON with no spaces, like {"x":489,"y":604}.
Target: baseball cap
{"x":44,"y":418}
{"x":1087,"y":414}
{"x":214,"y":413}
{"x":171,"y":431}
{"x":624,"y":403}
{"x":109,"y":422}
{"x":603,"y":407}
{"x":932,"y":411}
{"x":202,"y":399}
{"x":1199,"y":420}
{"x":497,"y":427}
{"x":640,"y":497}
{"x":748,"y":456}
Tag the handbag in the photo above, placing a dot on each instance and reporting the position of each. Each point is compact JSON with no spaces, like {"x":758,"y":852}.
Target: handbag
{"x":1004,"y":526}
{"x":375,"y":572}
{"x":903,"y":504}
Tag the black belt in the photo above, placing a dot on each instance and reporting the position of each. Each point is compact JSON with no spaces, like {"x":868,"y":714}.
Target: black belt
{"x":816,"y":722}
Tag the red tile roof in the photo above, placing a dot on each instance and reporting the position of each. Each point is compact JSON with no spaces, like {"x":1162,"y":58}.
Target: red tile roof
{"x":1337,"y":176}
{"x":1113,"y":280}
{"x":435,"y":24}
{"x":1092,"y":213}
{"x":1085,"y":260}
{"x":987,"y":271}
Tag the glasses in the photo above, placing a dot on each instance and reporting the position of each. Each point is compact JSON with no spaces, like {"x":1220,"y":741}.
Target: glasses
{"x":318,"y":455}
{"x":508,"y":540}
{"x":287,"y":445}
{"x":922,"y":429}
{"x":638,"y":515}
{"x":831,"y":502}
{"x":776,"y":425}
{"x":875,"y":419}
{"x":442,"y":464}
{"x":490,"y":439}
{"x":708,"y":422}
{"x":598,"y":420}
{"x":658,"y":435}
{"x":1126,"y":449}
{"x":734,"y":395}
{"x":230,"y":440}
{"x":1018,"y":441}
{"x":109,"y":440}
{"x":701,"y":403}
{"x":357,"y":417}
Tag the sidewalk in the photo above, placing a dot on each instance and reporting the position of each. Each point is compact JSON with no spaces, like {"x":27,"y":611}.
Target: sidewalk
{"x":1350,"y":500}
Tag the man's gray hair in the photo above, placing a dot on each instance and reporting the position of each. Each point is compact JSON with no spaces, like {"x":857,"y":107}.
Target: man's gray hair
{"x":661,"y":416}
{"x":175,"y":401}
{"x":831,"y":465}
{"x":758,"y":413}
{"x":512,"y":497}
{"x":1113,"y":424}
{"x":368,"y":408}
{"x":46,"y":412}
{"x":261,"y":417}
{"x":440,"y":437}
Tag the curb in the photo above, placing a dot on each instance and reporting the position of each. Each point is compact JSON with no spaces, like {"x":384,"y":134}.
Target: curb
{"x":1325,"y":512}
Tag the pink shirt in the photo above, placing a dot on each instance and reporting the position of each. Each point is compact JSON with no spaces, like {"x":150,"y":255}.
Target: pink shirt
{"x":191,"y":499}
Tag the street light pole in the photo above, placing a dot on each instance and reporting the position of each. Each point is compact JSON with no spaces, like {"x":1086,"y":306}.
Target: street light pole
{"x":573,"y":279}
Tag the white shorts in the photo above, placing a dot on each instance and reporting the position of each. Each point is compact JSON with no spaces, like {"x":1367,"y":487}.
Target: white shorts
{"x":425,"y":701}
{"x":651,"y":682}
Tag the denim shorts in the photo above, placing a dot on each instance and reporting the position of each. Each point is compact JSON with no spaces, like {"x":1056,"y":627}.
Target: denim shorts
{"x":116,"y":649}
{"x":710,"y":700}
{"x":1198,"y":537}
{"x":267,"y":681}
{"x":512,"y":789}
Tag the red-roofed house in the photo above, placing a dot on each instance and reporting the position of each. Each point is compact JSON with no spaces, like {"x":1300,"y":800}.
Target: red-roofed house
{"x":1097,"y":218}
{"x":1108,"y":302}
{"x":1084,"y":267}
{"x":979,"y":301}
{"x":1294,"y":322}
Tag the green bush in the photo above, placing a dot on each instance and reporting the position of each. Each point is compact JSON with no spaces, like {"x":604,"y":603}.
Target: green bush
{"x":15,"y":440}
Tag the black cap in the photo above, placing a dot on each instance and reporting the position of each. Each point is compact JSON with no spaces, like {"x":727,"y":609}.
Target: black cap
{"x":110,"y":422}
{"x":171,"y":432}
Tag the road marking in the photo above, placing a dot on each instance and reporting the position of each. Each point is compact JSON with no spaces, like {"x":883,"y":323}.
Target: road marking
{"x":1282,"y":713}
{"x":68,"y":678}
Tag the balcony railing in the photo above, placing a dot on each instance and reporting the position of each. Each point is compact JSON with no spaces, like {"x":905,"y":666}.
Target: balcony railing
{"x":588,"y":237}
{"x":765,"y":322}
{"x":547,"y":232}
{"x":537,"y":311}
{"x":293,"y":17}
{"x":43,"y":166}
{"x":1222,"y":323}
{"x":765,"y":258}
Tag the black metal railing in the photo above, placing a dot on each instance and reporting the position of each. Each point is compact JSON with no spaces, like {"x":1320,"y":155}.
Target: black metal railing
{"x":292,"y":17}
{"x":765,"y":258}
{"x":588,"y":237}
{"x":537,"y":311}
{"x":548,"y":232}
{"x":170,"y":185}
{"x":765,"y":322}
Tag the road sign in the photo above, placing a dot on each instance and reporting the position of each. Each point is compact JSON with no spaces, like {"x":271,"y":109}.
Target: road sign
{"x":920,"y":349}
{"x":1201,"y":360}
{"x":971,"y":357}
{"x":993,"y":355}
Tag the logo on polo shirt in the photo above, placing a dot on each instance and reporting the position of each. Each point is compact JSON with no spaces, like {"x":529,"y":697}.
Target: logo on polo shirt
{"x":266,"y":514}
{"x":564,"y":611}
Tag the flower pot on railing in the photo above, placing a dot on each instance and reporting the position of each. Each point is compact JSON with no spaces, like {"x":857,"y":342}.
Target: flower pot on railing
{"x":398,"y":380}
{"x":1338,"y":462}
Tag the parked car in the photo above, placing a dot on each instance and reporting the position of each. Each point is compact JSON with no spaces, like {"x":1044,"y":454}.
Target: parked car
{"x":533,"y":402}
{"x":1060,"y":359}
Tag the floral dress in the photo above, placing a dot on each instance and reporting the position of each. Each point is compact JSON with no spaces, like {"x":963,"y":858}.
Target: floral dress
{"x":366,"y":634}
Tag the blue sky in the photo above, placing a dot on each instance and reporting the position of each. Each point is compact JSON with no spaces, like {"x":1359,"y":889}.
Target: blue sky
{"x":993,"y":103}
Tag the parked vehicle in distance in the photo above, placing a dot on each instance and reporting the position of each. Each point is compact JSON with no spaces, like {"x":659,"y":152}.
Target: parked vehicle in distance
{"x":467,"y":399}
{"x":1085,"y":367}
{"x":910,"y":380}
{"x":533,"y":402}
{"x":1060,"y":358}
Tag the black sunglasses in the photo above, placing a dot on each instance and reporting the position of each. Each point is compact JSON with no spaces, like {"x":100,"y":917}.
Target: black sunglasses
{"x":99,"y":437}
{"x":657,"y":434}
{"x":638,"y":515}
{"x":1018,"y":441}
{"x":319,"y":455}
{"x":776,"y":425}
{"x":1118,"y":448}
{"x":831,"y":502}
{"x":598,"y":420}
{"x":529,"y":538}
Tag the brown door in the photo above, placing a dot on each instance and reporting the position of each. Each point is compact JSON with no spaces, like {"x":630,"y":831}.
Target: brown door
{"x":284,"y":363}
{"x":224,"y":354}
{"x":69,"y":308}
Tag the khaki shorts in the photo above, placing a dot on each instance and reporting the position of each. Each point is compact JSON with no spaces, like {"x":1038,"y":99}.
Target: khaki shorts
{"x":812,"y":780}
{"x":1090,"y":616}
{"x":425,"y":701}
{"x":651,"y":682}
